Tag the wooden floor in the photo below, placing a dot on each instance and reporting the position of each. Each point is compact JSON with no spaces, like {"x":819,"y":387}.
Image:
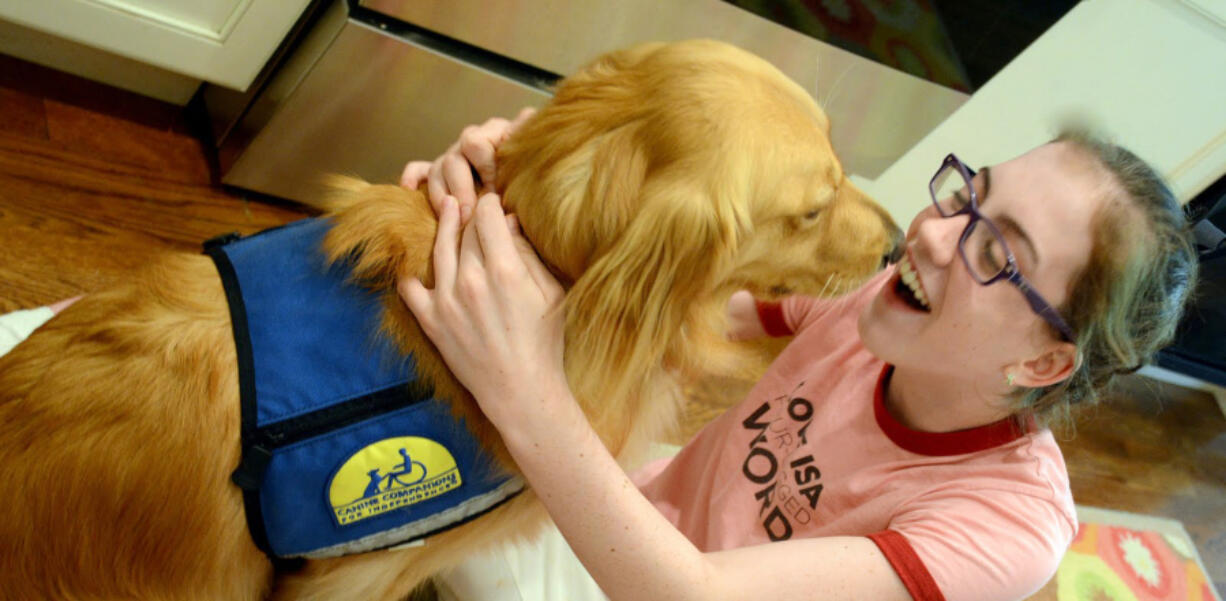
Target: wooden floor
{"x":94,"y":181}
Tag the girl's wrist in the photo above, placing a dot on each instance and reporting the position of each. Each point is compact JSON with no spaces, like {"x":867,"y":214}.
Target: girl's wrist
{"x":524,"y":415}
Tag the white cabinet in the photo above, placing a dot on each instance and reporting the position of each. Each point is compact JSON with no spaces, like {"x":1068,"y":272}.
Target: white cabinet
{"x":1149,"y":74}
{"x":225,"y":42}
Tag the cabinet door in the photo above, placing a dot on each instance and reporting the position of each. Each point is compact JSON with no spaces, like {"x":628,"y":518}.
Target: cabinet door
{"x":225,"y":42}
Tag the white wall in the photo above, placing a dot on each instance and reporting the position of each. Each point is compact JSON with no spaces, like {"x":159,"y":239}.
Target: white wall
{"x":1151,"y":74}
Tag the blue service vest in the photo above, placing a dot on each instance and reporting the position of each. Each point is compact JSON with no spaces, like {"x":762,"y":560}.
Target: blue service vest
{"x":344,"y":449}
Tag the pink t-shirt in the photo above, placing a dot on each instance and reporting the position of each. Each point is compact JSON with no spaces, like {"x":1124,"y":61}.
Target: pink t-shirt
{"x":974,"y":515}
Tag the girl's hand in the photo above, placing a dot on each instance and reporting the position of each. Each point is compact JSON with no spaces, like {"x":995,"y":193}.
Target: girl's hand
{"x":452,"y":173}
{"x":495,"y":311}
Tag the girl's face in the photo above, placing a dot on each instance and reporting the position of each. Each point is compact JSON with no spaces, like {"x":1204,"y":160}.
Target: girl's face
{"x":1044,"y":202}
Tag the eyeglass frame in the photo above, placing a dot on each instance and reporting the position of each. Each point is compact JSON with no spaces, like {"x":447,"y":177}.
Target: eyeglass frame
{"x":1010,"y":271}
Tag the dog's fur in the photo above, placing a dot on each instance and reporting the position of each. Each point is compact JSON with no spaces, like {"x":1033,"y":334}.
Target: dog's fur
{"x":658,"y":181}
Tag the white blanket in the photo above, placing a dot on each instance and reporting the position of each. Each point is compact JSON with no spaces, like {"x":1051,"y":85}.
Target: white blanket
{"x":18,"y":325}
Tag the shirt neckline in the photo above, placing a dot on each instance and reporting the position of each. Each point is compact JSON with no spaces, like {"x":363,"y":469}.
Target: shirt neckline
{"x":941,"y":444}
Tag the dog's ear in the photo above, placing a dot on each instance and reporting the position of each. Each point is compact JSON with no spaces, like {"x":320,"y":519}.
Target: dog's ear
{"x":672,"y":255}
{"x":379,"y":231}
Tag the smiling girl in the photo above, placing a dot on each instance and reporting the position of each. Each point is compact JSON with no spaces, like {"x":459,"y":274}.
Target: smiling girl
{"x":896,"y":448}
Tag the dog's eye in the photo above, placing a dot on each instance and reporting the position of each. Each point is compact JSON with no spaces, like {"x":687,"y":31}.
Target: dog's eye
{"x":813,"y":214}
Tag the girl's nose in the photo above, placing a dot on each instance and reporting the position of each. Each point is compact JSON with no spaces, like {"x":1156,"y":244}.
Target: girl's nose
{"x":937,"y":237}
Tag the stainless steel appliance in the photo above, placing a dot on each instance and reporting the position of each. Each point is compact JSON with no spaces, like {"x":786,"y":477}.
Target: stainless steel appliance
{"x":371,"y":84}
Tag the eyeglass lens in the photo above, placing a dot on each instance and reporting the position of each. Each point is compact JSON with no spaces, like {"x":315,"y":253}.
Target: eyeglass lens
{"x":950,"y":190}
{"x":982,"y":248}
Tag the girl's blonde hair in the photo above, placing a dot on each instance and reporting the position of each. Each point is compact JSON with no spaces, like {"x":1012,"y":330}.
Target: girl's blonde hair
{"x":1126,"y":303}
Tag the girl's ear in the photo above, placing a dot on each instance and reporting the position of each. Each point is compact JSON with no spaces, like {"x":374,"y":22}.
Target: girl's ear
{"x":1055,"y":364}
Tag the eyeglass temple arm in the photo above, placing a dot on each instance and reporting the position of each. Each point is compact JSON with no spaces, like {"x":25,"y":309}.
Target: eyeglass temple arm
{"x":1040,"y":306}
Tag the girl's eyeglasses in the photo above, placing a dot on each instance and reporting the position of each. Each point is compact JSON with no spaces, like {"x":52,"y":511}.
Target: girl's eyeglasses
{"x":983,"y":248}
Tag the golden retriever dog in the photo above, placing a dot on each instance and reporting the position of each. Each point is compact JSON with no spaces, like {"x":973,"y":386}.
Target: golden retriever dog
{"x":659,"y":180}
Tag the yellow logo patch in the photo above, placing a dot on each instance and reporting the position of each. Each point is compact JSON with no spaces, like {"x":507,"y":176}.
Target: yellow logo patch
{"x":390,"y":474}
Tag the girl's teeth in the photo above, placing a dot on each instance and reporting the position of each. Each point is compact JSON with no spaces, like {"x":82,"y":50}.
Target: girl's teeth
{"x":911,"y":280}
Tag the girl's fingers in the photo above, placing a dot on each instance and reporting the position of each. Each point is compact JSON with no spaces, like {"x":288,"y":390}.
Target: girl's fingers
{"x":501,"y":255}
{"x":544,"y":279}
{"x":470,"y":273}
{"x":524,"y":114}
{"x":417,"y":299}
{"x":481,"y":156}
{"x":477,"y":144}
{"x":472,"y":157}
{"x":445,"y":262}
{"x":459,"y":178}
{"x":414,"y":174}
{"x":436,"y":186}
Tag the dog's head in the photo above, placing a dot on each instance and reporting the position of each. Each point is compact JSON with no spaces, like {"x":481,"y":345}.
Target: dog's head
{"x":694,"y":162}
{"x":659,"y":180}
{"x":663,"y":177}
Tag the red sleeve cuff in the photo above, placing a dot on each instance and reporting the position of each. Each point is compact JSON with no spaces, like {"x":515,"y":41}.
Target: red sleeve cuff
{"x":915,"y":576}
{"x":771,"y":316}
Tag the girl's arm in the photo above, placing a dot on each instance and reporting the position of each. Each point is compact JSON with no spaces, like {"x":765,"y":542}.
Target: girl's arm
{"x":634,"y":553}
{"x":494,"y":315}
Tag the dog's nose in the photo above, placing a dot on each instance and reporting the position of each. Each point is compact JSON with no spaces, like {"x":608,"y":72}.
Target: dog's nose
{"x":897,"y":240}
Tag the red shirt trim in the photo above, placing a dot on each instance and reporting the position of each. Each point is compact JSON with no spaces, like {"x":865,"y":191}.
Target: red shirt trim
{"x":938,"y":444}
{"x":771,"y":316}
{"x":907,"y":564}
